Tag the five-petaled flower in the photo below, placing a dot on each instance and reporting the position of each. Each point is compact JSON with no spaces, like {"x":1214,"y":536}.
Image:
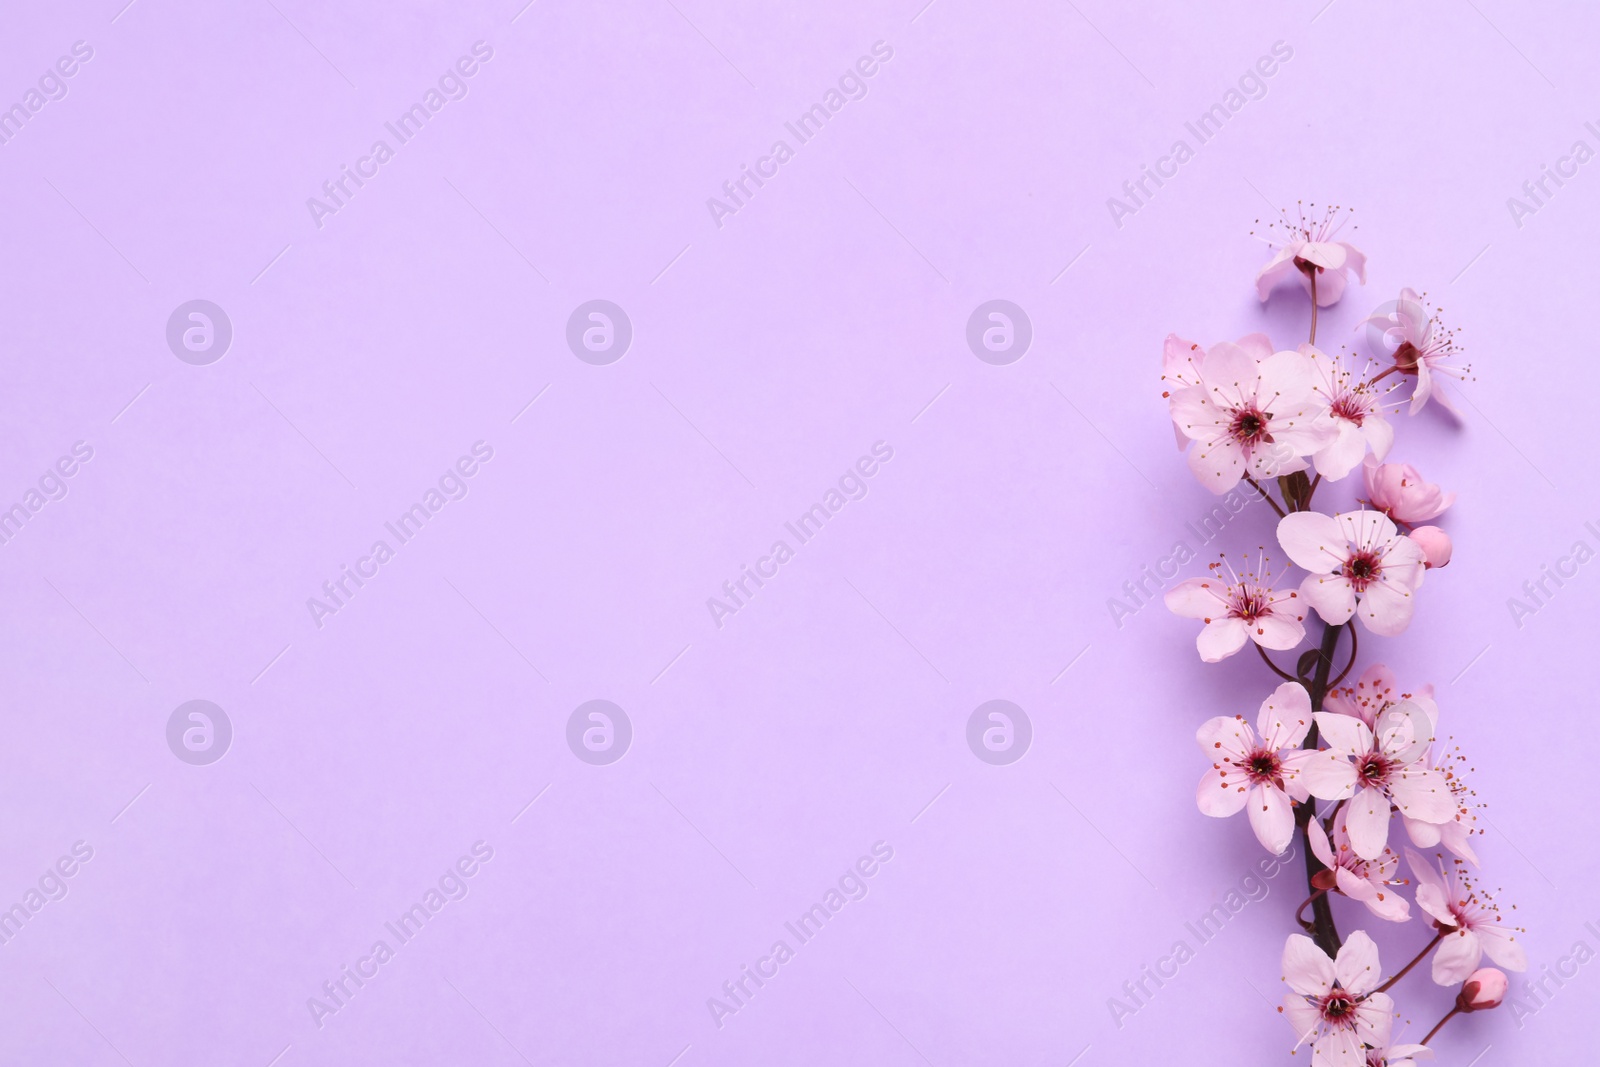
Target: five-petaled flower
{"x":1469,"y":919}
{"x":1310,"y":251}
{"x":1355,"y":410}
{"x":1376,"y":768}
{"x":1258,"y":769}
{"x":1334,"y":1003}
{"x":1248,"y":416}
{"x":1237,"y":609}
{"x":1371,"y":882}
{"x":1422,"y":347}
{"x":1360,"y":564}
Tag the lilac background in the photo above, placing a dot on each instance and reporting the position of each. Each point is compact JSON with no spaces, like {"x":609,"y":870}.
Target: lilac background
{"x":767,"y":356}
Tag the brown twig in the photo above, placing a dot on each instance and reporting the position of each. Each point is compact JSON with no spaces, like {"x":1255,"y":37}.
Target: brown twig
{"x":1324,"y":932}
{"x":1275,"y":668}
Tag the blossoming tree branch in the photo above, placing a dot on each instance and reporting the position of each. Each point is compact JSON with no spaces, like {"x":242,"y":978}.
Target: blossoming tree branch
{"x":1331,"y":763}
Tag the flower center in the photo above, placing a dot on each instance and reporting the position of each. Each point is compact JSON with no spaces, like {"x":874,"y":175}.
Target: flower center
{"x":1249,"y":606}
{"x":1264,"y":766}
{"x":1374,"y":769}
{"x":1362,"y":568}
{"x":1250,"y":426}
{"x":1338,"y":1008}
{"x":1349,"y":406}
{"x":1306,"y":267}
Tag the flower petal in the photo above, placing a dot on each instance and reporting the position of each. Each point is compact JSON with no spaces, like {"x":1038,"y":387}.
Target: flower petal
{"x":1285,"y":717}
{"x":1314,"y":541}
{"x":1221,"y":638}
{"x":1271,"y":817}
{"x":1457,"y":957}
{"x":1357,"y":967}
{"x":1386,"y":607}
{"x":1367,"y":818}
{"x":1197,"y":598}
{"x":1306,"y":968}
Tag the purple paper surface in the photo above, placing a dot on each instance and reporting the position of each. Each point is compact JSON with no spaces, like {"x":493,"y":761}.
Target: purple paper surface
{"x":580,"y":374}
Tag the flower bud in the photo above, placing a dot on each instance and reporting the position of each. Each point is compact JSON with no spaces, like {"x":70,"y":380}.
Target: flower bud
{"x":1484,"y":988}
{"x":1397,"y":490}
{"x":1435,"y":545}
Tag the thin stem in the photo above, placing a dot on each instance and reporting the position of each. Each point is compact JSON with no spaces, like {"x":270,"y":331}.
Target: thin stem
{"x":1275,"y":668}
{"x":1312,"y":492}
{"x":1324,"y":931}
{"x":1384,"y":988}
{"x":1301,"y":910}
{"x":1451,"y":1014}
{"x":1313,"y":276}
{"x":1264,"y":496}
{"x":1352,"y":663}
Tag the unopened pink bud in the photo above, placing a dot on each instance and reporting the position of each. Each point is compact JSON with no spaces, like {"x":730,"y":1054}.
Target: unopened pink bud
{"x":1435,"y":545}
{"x":1484,"y":988}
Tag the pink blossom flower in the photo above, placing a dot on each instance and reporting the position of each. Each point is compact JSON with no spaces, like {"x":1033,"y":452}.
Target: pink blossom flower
{"x":1334,"y":1004}
{"x":1397,"y":490}
{"x":1422,"y":347}
{"x":1435,"y":545}
{"x":1368,"y":881}
{"x":1469,"y":918}
{"x":1249,"y":417}
{"x":1355,"y":558}
{"x":1375,"y":698}
{"x":1182,"y":359}
{"x":1376,"y":770}
{"x":1260,"y":768}
{"x":1357,"y":413}
{"x":1308,"y":249}
{"x":1238,"y":608}
{"x":1484,"y":988}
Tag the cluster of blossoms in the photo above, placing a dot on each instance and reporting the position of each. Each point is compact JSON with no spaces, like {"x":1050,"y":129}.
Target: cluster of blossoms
{"x":1337,"y":764}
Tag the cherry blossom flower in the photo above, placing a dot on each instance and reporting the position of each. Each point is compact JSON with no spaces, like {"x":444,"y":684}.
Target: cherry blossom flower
{"x":1308,"y":249}
{"x":1260,"y":768}
{"x":1435,"y":545}
{"x":1250,"y":417}
{"x":1334,"y":1004}
{"x":1377,"y":769}
{"x":1397,"y":490}
{"x":1355,"y":408}
{"x":1470,"y":919}
{"x":1367,"y":881}
{"x":1422,"y":347}
{"x":1356,"y":559}
{"x":1373,"y":695}
{"x":1237,"y":608}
